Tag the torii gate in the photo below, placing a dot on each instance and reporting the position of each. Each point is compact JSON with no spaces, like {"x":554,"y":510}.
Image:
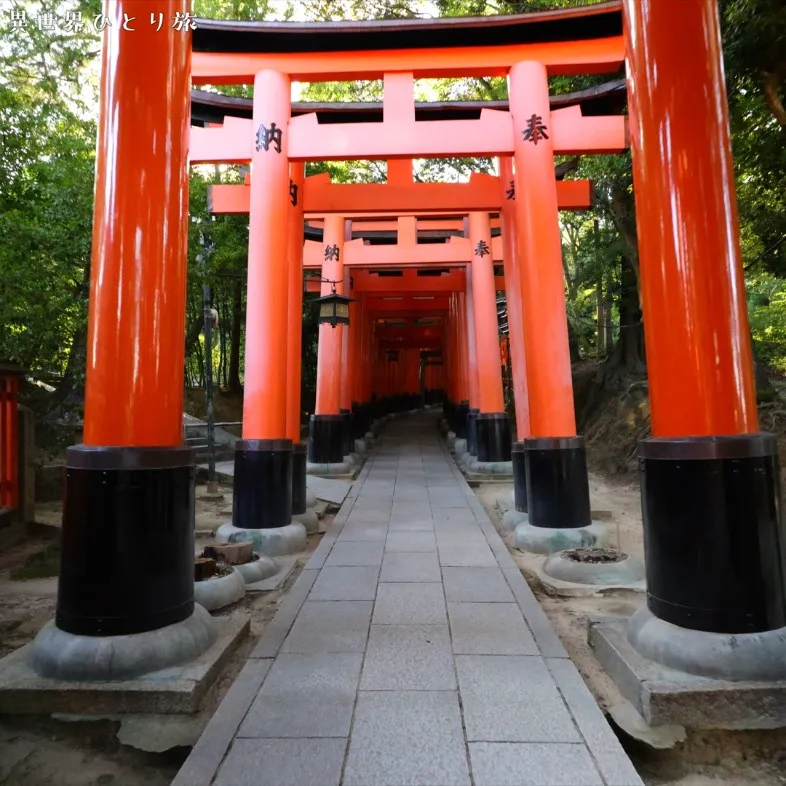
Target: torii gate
{"x":483,"y":193}
{"x":710,"y":480}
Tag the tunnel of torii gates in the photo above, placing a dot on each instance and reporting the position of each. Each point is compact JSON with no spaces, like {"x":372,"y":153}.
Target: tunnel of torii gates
{"x":710,"y":494}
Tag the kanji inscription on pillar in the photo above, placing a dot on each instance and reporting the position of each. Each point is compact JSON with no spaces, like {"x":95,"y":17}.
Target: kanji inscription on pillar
{"x":535,"y":130}
{"x":331,"y":252}
{"x":269,"y":136}
{"x":482,"y":249}
{"x":511,"y":191}
{"x":293,"y":190}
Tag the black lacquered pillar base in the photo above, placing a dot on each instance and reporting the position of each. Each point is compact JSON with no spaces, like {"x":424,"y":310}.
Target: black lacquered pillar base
{"x":493,"y":436}
{"x":472,"y":431}
{"x":262,"y":493}
{"x":518,"y":455}
{"x":360,"y":421}
{"x":127,"y":559}
{"x":713,"y":532}
{"x":462,"y":415}
{"x":348,"y":441}
{"x":326,"y":439}
{"x":299,"y":455}
{"x":557,"y":482}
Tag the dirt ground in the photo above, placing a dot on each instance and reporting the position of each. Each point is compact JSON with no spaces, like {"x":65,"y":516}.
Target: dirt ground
{"x":717,"y":758}
{"x":40,"y":751}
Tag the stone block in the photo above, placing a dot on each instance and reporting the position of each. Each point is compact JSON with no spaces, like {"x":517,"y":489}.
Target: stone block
{"x":354,"y":531}
{"x":346,"y":584}
{"x":177,"y":689}
{"x":489,"y":629}
{"x":498,"y":693}
{"x":209,"y":751}
{"x":356,"y":554}
{"x":416,"y":541}
{"x":399,"y":737}
{"x":330,"y":626}
{"x":610,"y":758}
{"x":408,"y":657}
{"x":410,"y":604}
{"x":231,"y":553}
{"x":456,"y":555}
{"x":408,"y":568}
{"x":305,"y":695}
{"x":252,"y":762}
{"x":476,"y":584}
{"x":664,"y":696}
{"x":548,"y":641}
{"x":532,"y":764}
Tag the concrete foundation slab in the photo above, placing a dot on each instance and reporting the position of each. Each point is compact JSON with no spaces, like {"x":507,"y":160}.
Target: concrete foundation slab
{"x":664,"y":696}
{"x":178,"y":689}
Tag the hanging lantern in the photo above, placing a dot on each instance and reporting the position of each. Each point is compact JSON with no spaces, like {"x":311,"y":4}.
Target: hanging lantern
{"x":334,"y":309}
{"x":392,"y":354}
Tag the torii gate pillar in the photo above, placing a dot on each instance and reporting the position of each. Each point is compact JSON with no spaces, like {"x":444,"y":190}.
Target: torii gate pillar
{"x":129,"y":498}
{"x":713,"y":530}
{"x":262,"y":494}
{"x":556,"y":465}
{"x":492,"y":428}
{"x":327,"y":427}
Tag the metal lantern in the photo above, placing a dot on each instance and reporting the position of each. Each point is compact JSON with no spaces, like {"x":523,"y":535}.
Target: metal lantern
{"x":334,"y":309}
{"x":392,"y":354}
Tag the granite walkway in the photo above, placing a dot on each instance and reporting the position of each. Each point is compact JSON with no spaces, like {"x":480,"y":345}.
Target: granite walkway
{"x":409,"y":652}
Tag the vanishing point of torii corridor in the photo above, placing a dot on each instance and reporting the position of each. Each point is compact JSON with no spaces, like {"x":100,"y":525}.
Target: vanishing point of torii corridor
{"x":408,"y":648}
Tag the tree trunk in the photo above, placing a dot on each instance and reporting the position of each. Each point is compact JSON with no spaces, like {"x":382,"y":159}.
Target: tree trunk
{"x":629,"y":352}
{"x":601,"y":342}
{"x":573,"y":344}
{"x":192,"y":334}
{"x":233,"y":381}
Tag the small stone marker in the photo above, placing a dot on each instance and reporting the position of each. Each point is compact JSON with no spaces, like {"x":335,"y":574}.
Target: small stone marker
{"x":231,"y":553}
{"x":204,"y":568}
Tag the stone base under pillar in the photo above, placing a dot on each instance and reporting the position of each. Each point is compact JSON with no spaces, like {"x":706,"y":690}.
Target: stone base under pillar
{"x":263,"y":567}
{"x":511,"y":519}
{"x":663,"y":695}
{"x":176,"y":689}
{"x":498,"y":470}
{"x":273,"y":542}
{"x":58,"y":655}
{"x":216,"y":593}
{"x":547,"y":540}
{"x":336,"y":468}
{"x":309,"y":520}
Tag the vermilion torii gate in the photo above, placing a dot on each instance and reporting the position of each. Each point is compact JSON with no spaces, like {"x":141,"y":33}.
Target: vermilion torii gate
{"x":710,"y":490}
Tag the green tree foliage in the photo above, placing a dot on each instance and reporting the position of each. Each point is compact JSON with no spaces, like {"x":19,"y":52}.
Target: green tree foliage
{"x":47,"y":140}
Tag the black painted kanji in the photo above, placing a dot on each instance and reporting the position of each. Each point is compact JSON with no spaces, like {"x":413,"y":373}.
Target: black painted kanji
{"x":482,"y":249}
{"x":331,"y":252}
{"x":535,"y":130}
{"x":268,"y":136}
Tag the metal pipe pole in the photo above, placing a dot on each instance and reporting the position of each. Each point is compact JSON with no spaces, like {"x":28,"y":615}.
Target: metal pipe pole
{"x":211,"y":443}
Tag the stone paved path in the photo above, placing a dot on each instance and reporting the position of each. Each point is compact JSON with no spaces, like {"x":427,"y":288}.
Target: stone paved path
{"x":410,"y":651}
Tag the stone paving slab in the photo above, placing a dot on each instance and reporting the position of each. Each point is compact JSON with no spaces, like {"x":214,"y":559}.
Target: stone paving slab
{"x":305,"y":695}
{"x":407,"y":567}
{"x":409,"y":652}
{"x":410,"y":604}
{"x":489,"y":629}
{"x":404,"y":737}
{"x":408,"y":657}
{"x":330,"y":626}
